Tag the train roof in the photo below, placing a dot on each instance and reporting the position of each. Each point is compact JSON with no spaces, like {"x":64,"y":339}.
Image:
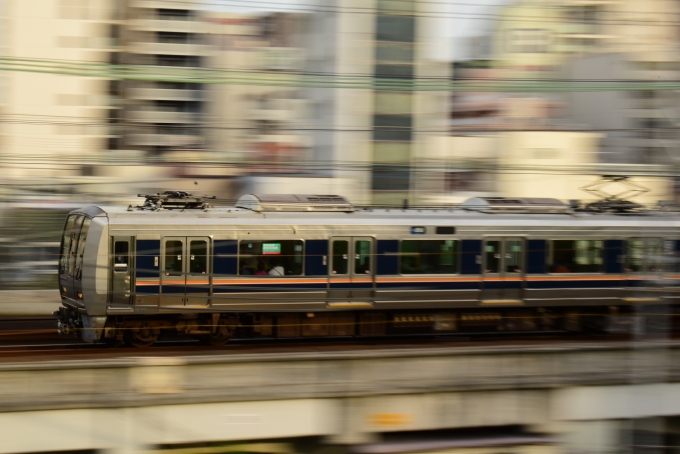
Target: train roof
{"x":334,"y":210}
{"x":374,"y":216}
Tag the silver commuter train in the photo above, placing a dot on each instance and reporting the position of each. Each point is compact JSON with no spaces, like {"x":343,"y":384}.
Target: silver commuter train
{"x":297,"y":265}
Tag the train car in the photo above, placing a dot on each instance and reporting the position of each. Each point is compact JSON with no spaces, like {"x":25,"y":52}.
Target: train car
{"x":297,"y":265}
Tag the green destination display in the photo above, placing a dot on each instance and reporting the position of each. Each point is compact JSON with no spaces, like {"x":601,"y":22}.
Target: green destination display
{"x":271,"y":248}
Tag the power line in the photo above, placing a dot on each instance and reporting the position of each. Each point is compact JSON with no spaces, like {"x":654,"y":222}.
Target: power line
{"x":301,"y":80}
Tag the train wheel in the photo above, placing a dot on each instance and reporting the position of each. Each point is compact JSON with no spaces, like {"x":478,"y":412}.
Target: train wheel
{"x":220,"y":337}
{"x":145,"y":337}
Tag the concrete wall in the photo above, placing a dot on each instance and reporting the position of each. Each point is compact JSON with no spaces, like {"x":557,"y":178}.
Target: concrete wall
{"x":584,"y":395}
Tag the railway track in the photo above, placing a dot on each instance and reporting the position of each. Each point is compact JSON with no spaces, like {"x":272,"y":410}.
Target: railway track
{"x":36,"y":339}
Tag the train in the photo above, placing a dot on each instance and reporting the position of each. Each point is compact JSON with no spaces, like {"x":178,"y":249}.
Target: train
{"x":295,"y":266}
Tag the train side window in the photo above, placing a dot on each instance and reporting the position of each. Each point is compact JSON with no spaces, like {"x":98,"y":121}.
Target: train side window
{"x":78,"y":273}
{"x":429,"y":257}
{"x":198,"y":257}
{"x":271,"y":257}
{"x":66,"y":244}
{"x":576,"y":256}
{"x":642,"y":254}
{"x":121,"y":253}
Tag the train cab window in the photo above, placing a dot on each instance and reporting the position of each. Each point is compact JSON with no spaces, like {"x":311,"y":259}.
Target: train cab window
{"x":429,"y":257}
{"x":80,"y":251}
{"x":271,"y":257}
{"x":66,"y":244}
{"x":642,"y":254}
{"x":121,"y":253}
{"x":173,"y":258}
{"x":75,"y":233}
{"x":576,"y":256}
{"x":198,"y":257}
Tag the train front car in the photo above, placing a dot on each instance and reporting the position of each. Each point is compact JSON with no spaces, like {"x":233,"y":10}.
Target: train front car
{"x":83,"y":274}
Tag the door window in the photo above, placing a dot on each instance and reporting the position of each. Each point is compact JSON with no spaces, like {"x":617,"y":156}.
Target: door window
{"x":340,"y":257}
{"x":492,"y":256}
{"x":198,"y":257}
{"x":173,"y":258}
{"x":121,"y":251}
{"x":513,"y":256}
{"x":362,"y":257}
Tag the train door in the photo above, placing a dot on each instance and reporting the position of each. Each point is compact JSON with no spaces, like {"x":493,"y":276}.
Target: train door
{"x":120,"y":264}
{"x":351,"y":277}
{"x":643,"y":263}
{"x":197,"y":272}
{"x":185,"y":271}
{"x":503,"y":270}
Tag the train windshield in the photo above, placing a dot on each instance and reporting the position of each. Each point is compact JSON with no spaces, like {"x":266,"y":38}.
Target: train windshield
{"x":73,"y":245}
{"x":66,"y":243}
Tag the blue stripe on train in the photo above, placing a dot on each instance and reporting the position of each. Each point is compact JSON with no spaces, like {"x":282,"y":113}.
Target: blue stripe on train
{"x":453,"y":285}
{"x":228,"y":288}
{"x":575,"y":284}
{"x":147,"y":289}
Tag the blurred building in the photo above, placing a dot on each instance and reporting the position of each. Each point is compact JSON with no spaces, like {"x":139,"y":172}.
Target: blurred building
{"x":578,"y":41}
{"x":370,"y":131}
{"x":556,"y":164}
{"x":53,"y":123}
{"x":262,"y":125}
{"x":639,"y":126}
{"x":160,"y":116}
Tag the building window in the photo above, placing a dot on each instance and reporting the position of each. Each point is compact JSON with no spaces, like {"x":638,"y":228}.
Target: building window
{"x":395,"y":28}
{"x":390,"y":177}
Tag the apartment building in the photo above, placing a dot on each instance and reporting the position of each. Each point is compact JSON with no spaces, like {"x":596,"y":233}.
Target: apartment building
{"x":374,"y":132}
{"x":574,"y":41}
{"x":53,"y":123}
{"x":161,"y":116}
{"x":263,"y":125}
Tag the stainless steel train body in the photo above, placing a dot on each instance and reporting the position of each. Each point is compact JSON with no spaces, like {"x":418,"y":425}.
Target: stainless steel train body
{"x":129,"y":274}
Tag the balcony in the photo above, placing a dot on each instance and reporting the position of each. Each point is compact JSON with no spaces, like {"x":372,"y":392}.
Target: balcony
{"x":170,"y":49}
{"x":159,"y":116}
{"x":156,"y":25}
{"x":166,"y":140}
{"x":164,"y":94}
